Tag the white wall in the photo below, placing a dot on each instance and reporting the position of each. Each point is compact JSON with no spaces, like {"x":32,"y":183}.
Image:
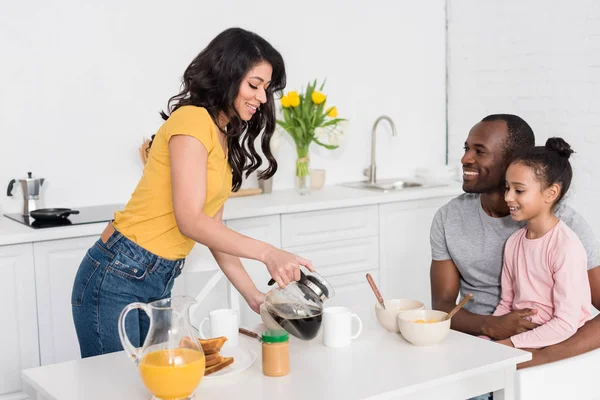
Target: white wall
{"x":537,"y":59}
{"x":82,"y":83}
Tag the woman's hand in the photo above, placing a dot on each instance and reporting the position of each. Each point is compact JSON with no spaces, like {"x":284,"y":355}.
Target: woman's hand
{"x":255,"y":300}
{"x":284,"y":267}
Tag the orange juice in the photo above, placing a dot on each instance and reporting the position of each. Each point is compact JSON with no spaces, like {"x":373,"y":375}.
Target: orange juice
{"x":172,"y":373}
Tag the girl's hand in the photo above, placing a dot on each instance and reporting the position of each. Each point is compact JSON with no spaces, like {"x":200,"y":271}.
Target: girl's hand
{"x":284,"y":267}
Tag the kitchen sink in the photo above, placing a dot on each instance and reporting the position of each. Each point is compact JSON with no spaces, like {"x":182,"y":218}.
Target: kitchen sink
{"x":388,"y":185}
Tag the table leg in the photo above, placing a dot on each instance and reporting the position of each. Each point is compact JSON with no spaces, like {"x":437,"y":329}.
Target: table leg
{"x":508,"y":393}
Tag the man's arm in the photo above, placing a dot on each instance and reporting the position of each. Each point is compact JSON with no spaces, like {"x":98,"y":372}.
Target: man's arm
{"x":445,"y":284}
{"x":586,"y":339}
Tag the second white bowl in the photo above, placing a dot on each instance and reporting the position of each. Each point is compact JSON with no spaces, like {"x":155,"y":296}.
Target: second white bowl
{"x":388,"y":318}
{"x":423,"y":333}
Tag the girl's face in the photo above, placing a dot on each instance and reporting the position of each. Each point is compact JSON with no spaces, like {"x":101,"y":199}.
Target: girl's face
{"x":524,"y":194}
{"x":253,"y":89}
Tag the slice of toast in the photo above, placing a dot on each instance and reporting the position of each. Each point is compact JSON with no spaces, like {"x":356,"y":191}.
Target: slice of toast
{"x":212,"y":346}
{"x":213,"y":359}
{"x":227,"y":361}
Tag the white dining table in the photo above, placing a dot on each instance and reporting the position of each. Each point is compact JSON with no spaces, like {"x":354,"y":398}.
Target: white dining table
{"x":377,"y":365}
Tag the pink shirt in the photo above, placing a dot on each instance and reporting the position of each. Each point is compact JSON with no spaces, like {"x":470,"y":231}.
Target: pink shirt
{"x":548,"y":274}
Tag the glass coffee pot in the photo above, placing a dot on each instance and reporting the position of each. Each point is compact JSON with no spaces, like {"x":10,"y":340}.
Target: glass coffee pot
{"x":171,"y":361}
{"x":297,"y":308}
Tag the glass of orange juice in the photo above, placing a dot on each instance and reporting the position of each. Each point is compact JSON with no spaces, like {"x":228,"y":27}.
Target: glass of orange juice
{"x":171,"y":362}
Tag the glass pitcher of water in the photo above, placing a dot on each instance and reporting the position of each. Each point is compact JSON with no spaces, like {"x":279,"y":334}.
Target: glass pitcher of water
{"x":171,"y":361}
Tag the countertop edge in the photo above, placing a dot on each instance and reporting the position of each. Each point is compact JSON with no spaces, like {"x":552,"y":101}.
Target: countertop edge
{"x":276,"y":203}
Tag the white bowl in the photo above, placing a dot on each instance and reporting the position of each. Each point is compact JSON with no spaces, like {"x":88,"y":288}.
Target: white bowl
{"x":423,"y":334}
{"x":388,"y":318}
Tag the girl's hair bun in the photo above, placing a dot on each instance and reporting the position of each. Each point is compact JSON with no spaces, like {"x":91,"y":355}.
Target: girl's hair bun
{"x":558,"y":145}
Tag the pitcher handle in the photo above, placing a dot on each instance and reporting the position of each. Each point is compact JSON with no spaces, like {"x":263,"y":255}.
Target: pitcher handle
{"x":133,"y":352}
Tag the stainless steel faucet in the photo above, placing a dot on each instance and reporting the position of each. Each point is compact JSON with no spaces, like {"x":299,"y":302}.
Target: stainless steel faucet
{"x":371,"y":172}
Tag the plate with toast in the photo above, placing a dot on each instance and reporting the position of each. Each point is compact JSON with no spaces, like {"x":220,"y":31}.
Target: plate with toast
{"x":227,"y":361}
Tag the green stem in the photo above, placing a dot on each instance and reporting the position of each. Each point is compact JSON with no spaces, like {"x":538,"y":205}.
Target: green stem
{"x":302,"y":161}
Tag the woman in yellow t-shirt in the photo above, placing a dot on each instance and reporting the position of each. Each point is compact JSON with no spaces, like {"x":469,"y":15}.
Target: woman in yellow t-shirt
{"x":197,"y":157}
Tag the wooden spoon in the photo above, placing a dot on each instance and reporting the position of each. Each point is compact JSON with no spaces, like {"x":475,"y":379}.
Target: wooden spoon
{"x":375,"y":290}
{"x":250,"y":334}
{"x":458,"y":306}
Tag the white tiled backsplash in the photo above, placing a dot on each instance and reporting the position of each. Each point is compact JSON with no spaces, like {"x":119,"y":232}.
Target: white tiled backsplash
{"x":537,"y":59}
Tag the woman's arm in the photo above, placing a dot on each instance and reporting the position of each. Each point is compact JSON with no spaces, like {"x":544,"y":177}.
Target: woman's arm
{"x":189,"y":159}
{"x":236,"y":273}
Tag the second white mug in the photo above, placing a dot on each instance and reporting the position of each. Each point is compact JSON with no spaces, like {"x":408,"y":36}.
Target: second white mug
{"x":337,"y":326}
{"x":223,"y":322}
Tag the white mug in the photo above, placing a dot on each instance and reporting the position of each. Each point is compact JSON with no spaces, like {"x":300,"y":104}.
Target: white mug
{"x":223,"y":322}
{"x":337,"y":326}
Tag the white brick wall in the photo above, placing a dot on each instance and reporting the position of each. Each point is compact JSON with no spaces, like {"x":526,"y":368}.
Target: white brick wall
{"x":538,"y":59}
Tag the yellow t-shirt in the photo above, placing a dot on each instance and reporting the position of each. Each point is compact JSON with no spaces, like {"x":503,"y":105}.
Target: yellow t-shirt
{"x":148,"y":218}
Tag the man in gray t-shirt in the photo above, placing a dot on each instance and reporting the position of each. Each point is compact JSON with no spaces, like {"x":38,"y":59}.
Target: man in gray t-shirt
{"x":469,"y":233}
{"x":464,"y":233}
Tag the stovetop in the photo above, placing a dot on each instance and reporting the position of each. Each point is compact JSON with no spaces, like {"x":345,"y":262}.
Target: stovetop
{"x":87,"y":215}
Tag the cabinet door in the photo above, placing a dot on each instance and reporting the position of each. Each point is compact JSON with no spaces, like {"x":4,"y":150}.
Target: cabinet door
{"x":352,"y":290}
{"x":405,"y":255}
{"x":266,"y":229}
{"x":342,"y":256}
{"x":321,"y":226}
{"x":19,"y":344}
{"x":56,"y":264}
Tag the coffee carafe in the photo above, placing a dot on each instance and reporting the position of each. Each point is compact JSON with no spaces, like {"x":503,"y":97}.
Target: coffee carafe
{"x":297,"y":308}
{"x":31,"y":192}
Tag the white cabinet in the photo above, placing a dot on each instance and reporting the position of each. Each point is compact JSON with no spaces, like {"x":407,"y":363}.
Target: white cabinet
{"x":343,"y":246}
{"x":328,"y":225}
{"x":19,"y":337}
{"x":56,"y":264}
{"x":405,"y":255}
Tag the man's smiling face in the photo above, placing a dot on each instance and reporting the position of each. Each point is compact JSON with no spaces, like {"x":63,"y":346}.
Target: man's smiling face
{"x":484,"y":162}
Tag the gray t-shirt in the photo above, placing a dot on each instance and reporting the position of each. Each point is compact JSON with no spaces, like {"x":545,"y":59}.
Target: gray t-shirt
{"x":461,"y":231}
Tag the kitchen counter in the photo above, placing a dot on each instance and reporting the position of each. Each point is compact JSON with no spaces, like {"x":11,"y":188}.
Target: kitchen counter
{"x":378,"y":365}
{"x":278,"y":202}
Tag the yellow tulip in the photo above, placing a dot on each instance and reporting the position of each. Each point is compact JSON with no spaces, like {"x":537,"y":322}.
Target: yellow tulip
{"x":332,"y":112}
{"x":294,"y":99}
{"x":285,"y":102}
{"x":318,"y":97}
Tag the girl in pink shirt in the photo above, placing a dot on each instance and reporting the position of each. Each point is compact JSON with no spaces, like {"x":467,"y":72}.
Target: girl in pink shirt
{"x":545,"y":264}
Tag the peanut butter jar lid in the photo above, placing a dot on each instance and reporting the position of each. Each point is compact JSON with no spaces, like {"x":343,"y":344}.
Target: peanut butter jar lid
{"x":275,"y":336}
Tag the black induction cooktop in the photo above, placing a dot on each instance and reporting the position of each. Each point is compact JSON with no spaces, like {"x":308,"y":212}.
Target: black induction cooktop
{"x":87,"y":215}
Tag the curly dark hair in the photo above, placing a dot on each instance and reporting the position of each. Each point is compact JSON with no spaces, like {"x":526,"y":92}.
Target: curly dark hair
{"x":520,"y":134}
{"x":213,"y":81}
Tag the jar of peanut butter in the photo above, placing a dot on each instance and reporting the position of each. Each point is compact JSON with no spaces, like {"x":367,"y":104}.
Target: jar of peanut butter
{"x":275,"y":353}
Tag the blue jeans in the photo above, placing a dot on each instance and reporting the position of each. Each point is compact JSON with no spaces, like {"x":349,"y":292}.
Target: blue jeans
{"x":111,"y":276}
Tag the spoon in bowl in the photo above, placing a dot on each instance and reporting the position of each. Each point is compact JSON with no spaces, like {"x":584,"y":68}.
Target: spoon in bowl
{"x":458,"y":306}
{"x":375,"y":290}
